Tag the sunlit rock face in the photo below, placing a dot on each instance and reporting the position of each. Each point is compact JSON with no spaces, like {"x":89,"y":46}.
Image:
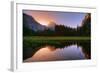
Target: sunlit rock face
{"x":52,"y":25}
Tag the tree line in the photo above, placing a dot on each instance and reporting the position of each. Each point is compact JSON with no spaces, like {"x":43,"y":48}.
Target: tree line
{"x":62,"y":30}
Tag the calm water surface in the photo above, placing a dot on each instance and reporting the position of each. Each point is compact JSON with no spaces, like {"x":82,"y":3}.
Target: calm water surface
{"x":52,"y":53}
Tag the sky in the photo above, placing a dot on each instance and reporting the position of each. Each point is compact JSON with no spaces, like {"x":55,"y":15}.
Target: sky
{"x":70,"y":19}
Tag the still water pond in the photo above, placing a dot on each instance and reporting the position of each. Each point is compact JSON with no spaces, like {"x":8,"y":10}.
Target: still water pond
{"x":76,"y":51}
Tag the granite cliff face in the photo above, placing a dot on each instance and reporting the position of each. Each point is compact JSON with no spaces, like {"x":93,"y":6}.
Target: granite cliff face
{"x":87,"y":20}
{"x":30,"y":23}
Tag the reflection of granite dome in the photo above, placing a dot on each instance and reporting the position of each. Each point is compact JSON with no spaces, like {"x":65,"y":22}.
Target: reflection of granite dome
{"x":31,"y":23}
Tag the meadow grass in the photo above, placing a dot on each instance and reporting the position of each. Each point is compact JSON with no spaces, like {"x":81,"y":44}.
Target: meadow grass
{"x":41,"y":38}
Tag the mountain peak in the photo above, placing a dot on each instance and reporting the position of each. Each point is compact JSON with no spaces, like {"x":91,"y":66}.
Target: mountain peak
{"x":52,"y":25}
{"x":31,"y":23}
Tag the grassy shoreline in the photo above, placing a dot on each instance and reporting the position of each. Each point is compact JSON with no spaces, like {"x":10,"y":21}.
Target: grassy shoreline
{"x":54,"y":38}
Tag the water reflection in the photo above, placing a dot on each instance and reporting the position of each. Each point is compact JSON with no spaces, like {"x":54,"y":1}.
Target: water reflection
{"x":61,"y":50}
{"x":51,"y":53}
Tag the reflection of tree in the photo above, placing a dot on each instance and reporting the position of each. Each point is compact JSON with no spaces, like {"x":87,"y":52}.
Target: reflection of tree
{"x":30,"y":48}
{"x":86,"y":45}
